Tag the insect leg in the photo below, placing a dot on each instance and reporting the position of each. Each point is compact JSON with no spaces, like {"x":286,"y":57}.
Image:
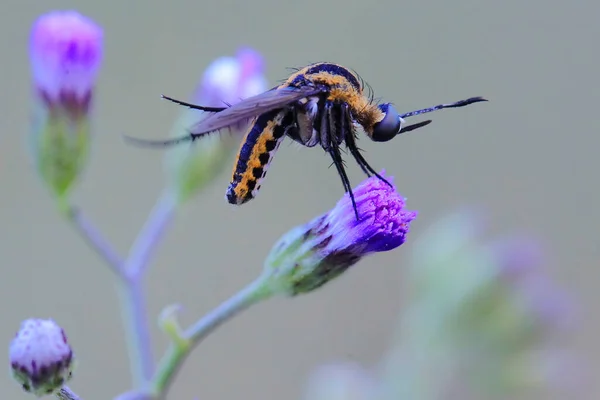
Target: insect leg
{"x":346,"y":124}
{"x":332,"y":147}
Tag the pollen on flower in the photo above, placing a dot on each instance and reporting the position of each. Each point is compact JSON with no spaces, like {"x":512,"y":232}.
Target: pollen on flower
{"x":66,"y":53}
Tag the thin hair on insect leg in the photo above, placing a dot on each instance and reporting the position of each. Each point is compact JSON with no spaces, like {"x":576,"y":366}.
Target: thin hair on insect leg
{"x":350,"y":140}
{"x":334,"y":151}
{"x":364,"y":165}
{"x":456,"y":104}
{"x":194,"y":106}
{"x":338,"y":162}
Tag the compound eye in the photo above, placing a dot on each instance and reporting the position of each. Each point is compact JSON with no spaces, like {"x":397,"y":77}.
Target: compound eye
{"x":389,"y":126}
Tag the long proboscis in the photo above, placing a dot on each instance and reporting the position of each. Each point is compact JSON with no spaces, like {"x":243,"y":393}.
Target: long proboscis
{"x":456,"y":104}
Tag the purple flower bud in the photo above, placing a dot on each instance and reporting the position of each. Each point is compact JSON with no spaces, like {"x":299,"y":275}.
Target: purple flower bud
{"x":227,"y":80}
{"x":311,"y":255}
{"x":66,"y":53}
{"x":40,"y":357}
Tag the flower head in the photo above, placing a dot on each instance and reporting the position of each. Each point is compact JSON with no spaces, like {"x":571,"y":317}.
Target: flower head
{"x":65,"y":53}
{"x":310,"y":255}
{"x":383,"y":224}
{"x":40,"y":356}
{"x":227,"y":80}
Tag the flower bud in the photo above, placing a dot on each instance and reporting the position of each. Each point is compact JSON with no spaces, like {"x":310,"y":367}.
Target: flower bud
{"x":311,"y":255}
{"x":65,"y":53}
{"x":40,"y":357}
{"x":227,"y":80}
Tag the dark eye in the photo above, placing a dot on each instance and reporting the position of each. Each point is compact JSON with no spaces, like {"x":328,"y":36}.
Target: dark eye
{"x":389,"y":126}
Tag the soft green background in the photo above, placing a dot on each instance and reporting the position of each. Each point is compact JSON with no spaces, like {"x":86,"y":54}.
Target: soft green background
{"x":528,"y":157}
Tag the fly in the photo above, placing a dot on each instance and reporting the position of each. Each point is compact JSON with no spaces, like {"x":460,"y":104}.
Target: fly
{"x":321,"y":104}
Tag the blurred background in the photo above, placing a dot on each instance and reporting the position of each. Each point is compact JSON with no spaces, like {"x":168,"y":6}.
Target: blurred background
{"x":527,"y":158}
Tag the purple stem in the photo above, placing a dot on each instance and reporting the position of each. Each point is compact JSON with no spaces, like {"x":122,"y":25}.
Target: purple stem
{"x":96,"y":241}
{"x":150,"y":235}
{"x":135,"y":319}
{"x":131,"y":274}
{"x":136,"y":316}
{"x":65,"y":393}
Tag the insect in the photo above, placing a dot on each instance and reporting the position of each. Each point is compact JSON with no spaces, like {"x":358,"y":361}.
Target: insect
{"x":320,"y":104}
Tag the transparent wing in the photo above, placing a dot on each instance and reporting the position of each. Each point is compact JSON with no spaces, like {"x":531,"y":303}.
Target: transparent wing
{"x":239,"y":112}
{"x":253,"y":106}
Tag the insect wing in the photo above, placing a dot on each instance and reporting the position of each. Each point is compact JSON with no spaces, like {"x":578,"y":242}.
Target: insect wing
{"x":253,"y":106}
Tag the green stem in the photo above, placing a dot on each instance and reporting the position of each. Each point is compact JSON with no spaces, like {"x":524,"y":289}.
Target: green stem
{"x":177,"y":353}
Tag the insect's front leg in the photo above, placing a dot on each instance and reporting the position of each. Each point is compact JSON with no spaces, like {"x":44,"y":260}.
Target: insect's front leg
{"x":325,"y":125}
{"x":337,"y":122}
{"x":332,"y":147}
{"x":350,"y":139}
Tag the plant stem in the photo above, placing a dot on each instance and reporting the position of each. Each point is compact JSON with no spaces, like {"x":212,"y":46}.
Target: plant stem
{"x":135,"y":313}
{"x":95,"y":240}
{"x":135,"y":320}
{"x":153,"y":230}
{"x":65,"y":393}
{"x":178,"y":351}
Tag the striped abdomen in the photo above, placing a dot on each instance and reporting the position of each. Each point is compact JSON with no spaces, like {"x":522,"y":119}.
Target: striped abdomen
{"x":255,"y":154}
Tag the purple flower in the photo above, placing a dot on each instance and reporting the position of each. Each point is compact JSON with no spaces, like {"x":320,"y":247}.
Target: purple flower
{"x":383,"y":224}
{"x":311,"y":255}
{"x":40,"y":356}
{"x":66,"y":53}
